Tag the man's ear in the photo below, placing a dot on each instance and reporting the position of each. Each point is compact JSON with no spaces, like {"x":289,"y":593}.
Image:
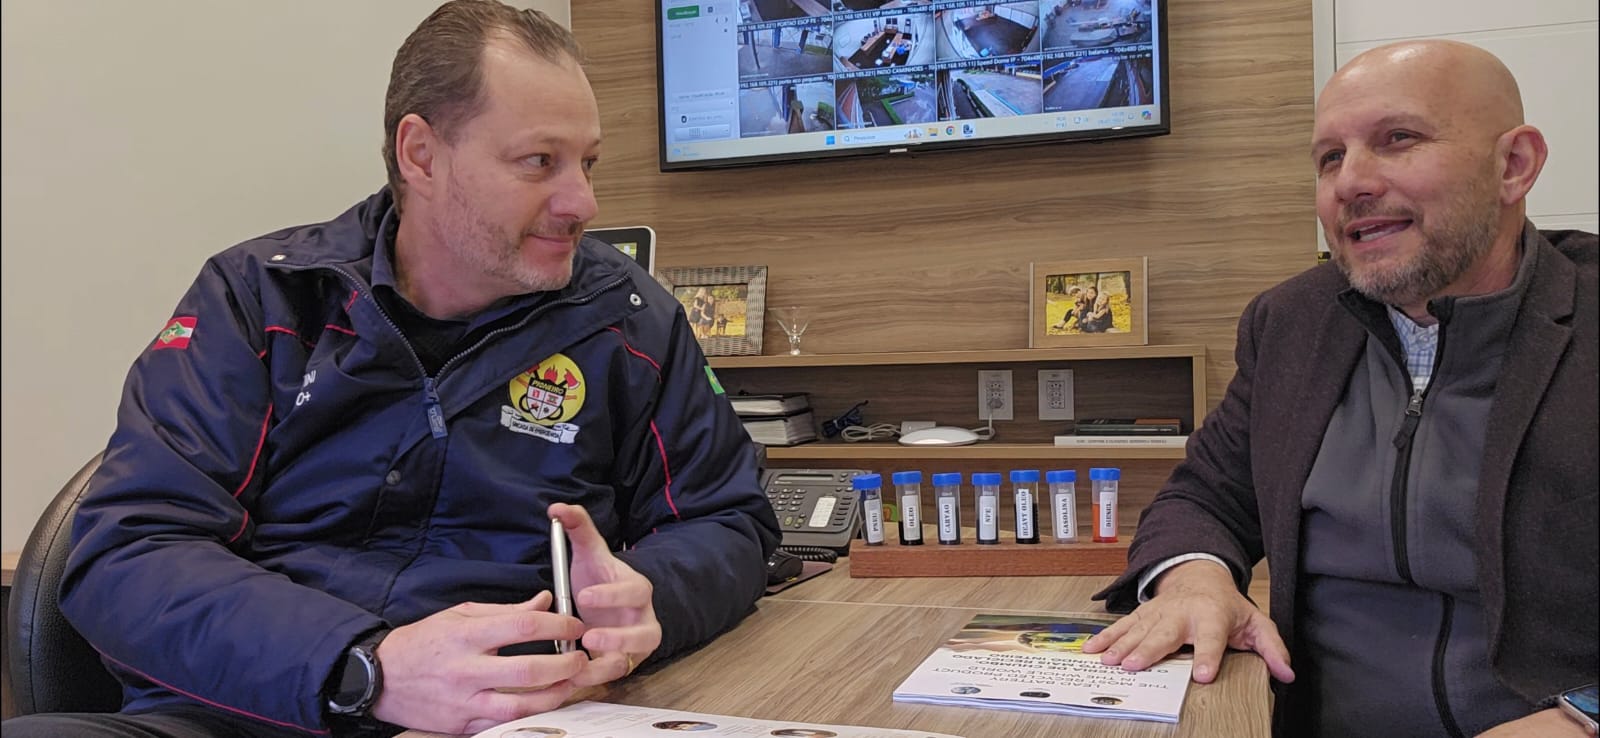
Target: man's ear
{"x":416,"y":149}
{"x":1522,"y":151}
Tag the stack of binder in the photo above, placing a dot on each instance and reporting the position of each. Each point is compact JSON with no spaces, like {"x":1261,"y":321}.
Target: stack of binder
{"x":777,"y":419}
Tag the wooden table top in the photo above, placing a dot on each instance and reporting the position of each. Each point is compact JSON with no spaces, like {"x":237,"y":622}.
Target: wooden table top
{"x":832,"y":649}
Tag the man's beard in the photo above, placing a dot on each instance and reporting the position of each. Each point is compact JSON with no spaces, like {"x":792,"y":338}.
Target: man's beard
{"x":483,"y":246}
{"x":1465,"y":234}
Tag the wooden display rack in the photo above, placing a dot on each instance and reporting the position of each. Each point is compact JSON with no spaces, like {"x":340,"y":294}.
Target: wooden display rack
{"x":1005,"y":559}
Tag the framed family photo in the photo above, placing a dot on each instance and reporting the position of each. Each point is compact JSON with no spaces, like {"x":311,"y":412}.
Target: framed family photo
{"x":1100,"y":302}
{"x":725,"y":305}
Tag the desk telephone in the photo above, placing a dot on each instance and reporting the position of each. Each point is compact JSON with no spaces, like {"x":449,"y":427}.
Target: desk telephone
{"x":816,"y":509}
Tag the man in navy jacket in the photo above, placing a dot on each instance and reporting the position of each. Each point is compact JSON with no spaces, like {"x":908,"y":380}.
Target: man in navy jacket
{"x":327,"y":503}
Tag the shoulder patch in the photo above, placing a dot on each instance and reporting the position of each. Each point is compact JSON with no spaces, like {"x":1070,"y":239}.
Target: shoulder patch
{"x":176,"y":335}
{"x":716,"y":386}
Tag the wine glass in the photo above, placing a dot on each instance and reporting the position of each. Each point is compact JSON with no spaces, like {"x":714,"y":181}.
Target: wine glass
{"x":793,"y":320}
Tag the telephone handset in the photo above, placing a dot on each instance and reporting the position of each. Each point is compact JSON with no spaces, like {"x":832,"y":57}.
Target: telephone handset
{"x":816,"y":509}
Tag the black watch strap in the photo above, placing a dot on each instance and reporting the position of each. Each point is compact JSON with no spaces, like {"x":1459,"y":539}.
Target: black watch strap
{"x":358,"y":678}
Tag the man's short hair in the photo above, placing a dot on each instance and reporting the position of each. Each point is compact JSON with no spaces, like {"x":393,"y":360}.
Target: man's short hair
{"x":438,"y":71}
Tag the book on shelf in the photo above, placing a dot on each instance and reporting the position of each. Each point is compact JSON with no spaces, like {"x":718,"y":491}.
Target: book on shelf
{"x":786,"y":403}
{"x":608,"y":720}
{"x":786,"y":430}
{"x":1128,"y":427}
{"x":1036,"y":663}
{"x":1151,"y":441}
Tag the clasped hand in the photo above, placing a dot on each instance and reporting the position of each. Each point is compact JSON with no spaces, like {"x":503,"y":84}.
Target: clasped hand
{"x":1196,"y":603}
{"x":444,"y":673}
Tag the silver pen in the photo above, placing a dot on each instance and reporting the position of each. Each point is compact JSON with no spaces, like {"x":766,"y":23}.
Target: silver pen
{"x":561,"y":572}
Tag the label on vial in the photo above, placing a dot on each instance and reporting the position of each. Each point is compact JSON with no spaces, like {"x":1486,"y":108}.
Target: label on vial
{"x":1024,"y":514}
{"x":988,"y":518}
{"x":947,"y":519}
{"x":911,"y":517}
{"x":872,"y":510}
{"x":1107,"y":515}
{"x":1066,"y":517}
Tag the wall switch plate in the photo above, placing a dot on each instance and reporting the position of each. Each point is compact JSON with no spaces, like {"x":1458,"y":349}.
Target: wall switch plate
{"x":994,"y":394}
{"x":1055,"y":394}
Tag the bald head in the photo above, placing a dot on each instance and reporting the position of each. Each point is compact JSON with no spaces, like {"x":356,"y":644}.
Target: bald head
{"x":1460,"y":80}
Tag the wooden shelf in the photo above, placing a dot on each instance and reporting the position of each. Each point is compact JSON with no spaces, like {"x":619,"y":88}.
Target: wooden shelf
{"x":979,"y":451}
{"x":998,"y":356}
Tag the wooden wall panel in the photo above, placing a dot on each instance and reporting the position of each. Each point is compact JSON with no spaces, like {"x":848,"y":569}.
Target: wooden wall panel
{"x":931,"y":252}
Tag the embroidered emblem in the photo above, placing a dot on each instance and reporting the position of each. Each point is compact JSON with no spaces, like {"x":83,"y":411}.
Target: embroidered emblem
{"x":716,"y":386}
{"x":176,"y":335}
{"x":544,"y":398}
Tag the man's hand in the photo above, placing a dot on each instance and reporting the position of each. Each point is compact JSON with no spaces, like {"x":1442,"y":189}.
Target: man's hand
{"x":1195,"y":603}
{"x":444,"y":674}
{"x":613,"y":600}
{"x":1551,"y":723}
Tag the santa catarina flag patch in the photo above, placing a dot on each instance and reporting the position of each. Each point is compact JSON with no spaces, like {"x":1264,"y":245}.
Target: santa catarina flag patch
{"x":176,"y":335}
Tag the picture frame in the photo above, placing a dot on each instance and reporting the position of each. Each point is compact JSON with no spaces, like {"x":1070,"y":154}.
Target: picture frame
{"x":1095,"y":302}
{"x":726,"y":305}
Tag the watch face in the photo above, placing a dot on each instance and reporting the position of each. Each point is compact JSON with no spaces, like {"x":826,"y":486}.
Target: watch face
{"x":1583,"y":701}
{"x":355,"y":684}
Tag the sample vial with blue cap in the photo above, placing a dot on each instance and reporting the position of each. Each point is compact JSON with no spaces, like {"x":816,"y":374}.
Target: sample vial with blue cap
{"x":870,"y":487}
{"x":1025,"y":492}
{"x":1104,"y":482}
{"x":1064,"y":501}
{"x":947,"y":493}
{"x":987,"y":487}
{"x":908,"y":495}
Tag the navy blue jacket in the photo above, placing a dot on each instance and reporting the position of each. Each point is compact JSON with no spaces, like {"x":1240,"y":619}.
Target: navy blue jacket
{"x":284,"y":476}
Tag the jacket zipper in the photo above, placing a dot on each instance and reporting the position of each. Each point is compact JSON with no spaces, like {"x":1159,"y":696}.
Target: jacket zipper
{"x":430,"y":384}
{"x":1441,"y":700}
{"x":1402,"y":475}
{"x":1397,"y":528}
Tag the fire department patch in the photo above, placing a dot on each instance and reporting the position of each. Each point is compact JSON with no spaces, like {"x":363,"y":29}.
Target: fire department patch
{"x":544,"y":398}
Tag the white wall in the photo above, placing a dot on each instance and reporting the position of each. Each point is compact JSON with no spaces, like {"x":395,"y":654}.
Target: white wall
{"x":1551,"y":46}
{"x":140,"y":138}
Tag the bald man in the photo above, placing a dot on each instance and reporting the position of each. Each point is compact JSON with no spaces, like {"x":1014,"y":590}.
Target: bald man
{"x":1410,"y":439}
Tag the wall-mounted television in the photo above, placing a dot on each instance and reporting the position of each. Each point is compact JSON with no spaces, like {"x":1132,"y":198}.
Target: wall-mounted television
{"x":758,"y":81}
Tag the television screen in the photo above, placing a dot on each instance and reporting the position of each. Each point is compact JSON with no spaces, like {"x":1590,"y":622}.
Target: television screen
{"x":754,"y":81}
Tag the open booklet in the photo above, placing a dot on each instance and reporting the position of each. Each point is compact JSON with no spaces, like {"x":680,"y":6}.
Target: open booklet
{"x":1036,"y":663}
{"x":606,"y":720}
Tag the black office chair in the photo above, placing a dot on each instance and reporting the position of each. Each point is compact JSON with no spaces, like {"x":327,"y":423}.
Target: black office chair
{"x":52,"y":668}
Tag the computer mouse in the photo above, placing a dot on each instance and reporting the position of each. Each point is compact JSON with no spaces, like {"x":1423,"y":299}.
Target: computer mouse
{"x":941,"y":435}
{"x":783,"y":566}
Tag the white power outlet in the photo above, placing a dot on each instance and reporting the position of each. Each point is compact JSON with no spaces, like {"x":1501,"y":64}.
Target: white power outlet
{"x":994,"y":394}
{"x":1055,"y":394}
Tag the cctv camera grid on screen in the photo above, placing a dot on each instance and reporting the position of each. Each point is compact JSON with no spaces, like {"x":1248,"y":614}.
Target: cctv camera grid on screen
{"x":812,"y":75}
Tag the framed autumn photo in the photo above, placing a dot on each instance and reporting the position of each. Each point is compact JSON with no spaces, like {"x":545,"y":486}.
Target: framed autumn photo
{"x":725,"y":305}
{"x":1100,"y":302}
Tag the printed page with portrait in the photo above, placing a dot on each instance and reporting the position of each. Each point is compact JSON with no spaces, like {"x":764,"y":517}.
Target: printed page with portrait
{"x":1036,"y":663}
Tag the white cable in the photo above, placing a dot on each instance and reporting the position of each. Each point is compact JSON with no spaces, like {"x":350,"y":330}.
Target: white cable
{"x":873,"y":432}
{"x":987,"y":432}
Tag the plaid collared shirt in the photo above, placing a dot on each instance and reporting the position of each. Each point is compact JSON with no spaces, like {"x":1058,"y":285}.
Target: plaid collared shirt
{"x":1419,"y":344}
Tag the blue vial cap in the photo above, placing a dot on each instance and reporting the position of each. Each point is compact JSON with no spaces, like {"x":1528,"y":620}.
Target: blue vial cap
{"x":907,"y":477}
{"x":1061,"y":475}
{"x":947,"y":479}
{"x":986,"y":479}
{"x":1024,"y":476}
{"x":1112,"y":474}
{"x":866,"y":481}
{"x":1096,"y":474}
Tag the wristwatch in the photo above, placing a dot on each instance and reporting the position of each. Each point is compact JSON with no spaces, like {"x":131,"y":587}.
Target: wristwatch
{"x":357,"y":680}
